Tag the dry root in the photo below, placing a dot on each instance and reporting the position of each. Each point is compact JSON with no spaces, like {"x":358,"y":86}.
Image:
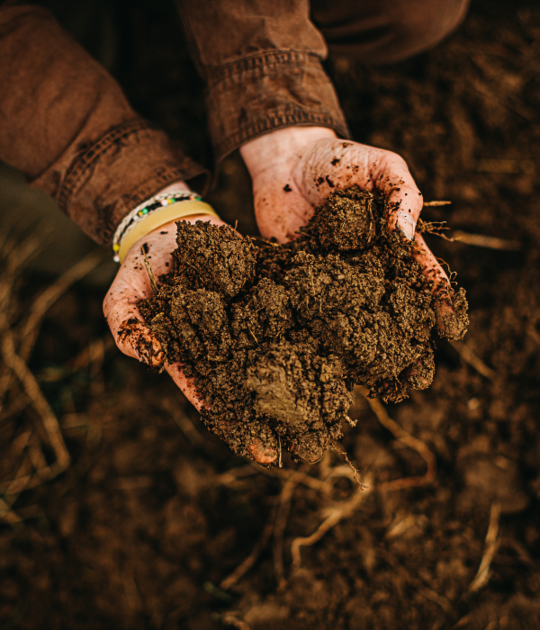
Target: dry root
{"x":25,"y":465}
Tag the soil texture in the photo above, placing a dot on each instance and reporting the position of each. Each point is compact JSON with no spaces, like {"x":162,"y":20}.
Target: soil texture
{"x":276,"y":336}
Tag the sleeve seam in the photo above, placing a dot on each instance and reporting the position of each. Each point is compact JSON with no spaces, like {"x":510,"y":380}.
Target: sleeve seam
{"x":261,"y":61}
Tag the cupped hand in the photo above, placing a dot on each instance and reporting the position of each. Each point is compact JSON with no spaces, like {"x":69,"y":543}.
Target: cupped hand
{"x":295,"y":169}
{"x":133,"y":337}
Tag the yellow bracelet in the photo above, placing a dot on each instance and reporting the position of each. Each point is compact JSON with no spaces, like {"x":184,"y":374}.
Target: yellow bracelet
{"x":158,"y":218}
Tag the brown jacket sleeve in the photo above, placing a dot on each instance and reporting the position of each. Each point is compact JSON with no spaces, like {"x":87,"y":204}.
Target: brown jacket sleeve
{"x":65,"y":123}
{"x":261,"y":60}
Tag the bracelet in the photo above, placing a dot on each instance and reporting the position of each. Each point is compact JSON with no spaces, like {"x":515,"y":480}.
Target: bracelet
{"x":154,"y":213}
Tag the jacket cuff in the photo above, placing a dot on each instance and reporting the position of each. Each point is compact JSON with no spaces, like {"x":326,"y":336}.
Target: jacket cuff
{"x":269,"y":91}
{"x":109,"y":177}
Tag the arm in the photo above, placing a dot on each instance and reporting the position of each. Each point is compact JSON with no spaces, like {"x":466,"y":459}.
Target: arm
{"x":269,"y":96}
{"x":65,"y":123}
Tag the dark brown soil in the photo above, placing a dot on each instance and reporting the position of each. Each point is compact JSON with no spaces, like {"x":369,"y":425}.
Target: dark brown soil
{"x":276,"y":337}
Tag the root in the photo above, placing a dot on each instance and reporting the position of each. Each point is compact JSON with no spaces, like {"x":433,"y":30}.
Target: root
{"x":279,"y":529}
{"x":490,"y":549}
{"x":246,"y":565}
{"x":355,"y":470}
{"x":408,"y":440}
{"x":475,"y":362}
{"x":333,"y":516}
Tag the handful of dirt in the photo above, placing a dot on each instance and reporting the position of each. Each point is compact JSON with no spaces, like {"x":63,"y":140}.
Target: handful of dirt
{"x":276,"y":336}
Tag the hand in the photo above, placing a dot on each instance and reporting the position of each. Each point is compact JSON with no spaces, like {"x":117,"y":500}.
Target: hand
{"x":132,"y":335}
{"x":295,"y":169}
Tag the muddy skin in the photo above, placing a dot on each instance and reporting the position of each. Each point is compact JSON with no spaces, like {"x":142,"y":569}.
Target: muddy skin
{"x":276,"y":336}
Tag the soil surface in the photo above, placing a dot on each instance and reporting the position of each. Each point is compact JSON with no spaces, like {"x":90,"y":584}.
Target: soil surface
{"x":154,"y":512}
{"x":276,"y":336}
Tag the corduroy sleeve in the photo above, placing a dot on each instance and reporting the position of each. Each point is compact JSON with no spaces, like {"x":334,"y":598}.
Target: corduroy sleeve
{"x":65,"y":123}
{"x":261,"y":60}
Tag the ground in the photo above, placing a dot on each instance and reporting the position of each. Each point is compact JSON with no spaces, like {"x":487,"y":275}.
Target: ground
{"x":152,"y":515}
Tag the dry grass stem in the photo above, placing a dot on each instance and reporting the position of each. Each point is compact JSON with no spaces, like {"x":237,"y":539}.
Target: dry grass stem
{"x":475,"y":362}
{"x":285,"y":500}
{"x":490,"y":548}
{"x":153,"y":283}
{"x":231,"y":620}
{"x":30,"y":328}
{"x":431,"y":204}
{"x":246,"y":565}
{"x":7,"y":514}
{"x":184,"y":424}
{"x":488,"y":242}
{"x":408,"y":440}
{"x":39,"y":402}
{"x":299,"y":476}
{"x":416,"y":583}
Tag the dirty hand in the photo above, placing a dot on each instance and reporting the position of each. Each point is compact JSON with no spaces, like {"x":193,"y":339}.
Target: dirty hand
{"x":294,"y":169}
{"x":121,"y":310}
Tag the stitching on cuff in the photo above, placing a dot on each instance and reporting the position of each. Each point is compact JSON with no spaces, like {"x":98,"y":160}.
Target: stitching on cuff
{"x":274,"y":121}
{"x":92,"y":154}
{"x":260,"y":61}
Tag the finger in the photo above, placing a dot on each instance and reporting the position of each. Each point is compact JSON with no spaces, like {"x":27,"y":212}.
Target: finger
{"x":261,"y":453}
{"x":448,"y":324}
{"x":131,"y":334}
{"x":391,"y":177}
{"x":332,"y":165}
{"x":187,"y":385}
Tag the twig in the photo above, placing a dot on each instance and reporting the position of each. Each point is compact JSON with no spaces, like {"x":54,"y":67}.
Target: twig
{"x":490,"y":548}
{"x":405,"y":438}
{"x":431,"y":204}
{"x":469,"y":357}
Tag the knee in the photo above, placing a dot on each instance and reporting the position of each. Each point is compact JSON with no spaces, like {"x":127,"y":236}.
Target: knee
{"x":384,"y":31}
{"x":420,"y":25}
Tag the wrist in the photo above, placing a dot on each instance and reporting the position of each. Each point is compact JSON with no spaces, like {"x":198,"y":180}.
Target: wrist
{"x":281,"y":147}
{"x":154,"y":213}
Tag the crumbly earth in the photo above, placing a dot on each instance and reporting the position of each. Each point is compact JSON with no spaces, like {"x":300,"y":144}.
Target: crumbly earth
{"x":277,"y":336}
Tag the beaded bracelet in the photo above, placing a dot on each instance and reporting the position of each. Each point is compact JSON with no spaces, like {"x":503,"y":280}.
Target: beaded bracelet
{"x":143,"y":210}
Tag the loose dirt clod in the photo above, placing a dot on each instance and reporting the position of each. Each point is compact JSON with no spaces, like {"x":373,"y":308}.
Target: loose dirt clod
{"x":276,"y":336}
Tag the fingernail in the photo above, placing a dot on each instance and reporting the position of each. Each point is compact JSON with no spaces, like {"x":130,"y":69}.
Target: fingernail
{"x":406,"y":226}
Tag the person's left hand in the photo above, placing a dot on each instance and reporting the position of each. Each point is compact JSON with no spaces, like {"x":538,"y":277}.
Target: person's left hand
{"x":295,"y":169}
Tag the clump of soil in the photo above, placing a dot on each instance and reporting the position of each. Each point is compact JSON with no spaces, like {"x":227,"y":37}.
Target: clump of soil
{"x":277,"y":336}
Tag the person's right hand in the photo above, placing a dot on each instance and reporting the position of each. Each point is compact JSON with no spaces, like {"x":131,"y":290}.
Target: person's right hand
{"x":133,"y":337}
